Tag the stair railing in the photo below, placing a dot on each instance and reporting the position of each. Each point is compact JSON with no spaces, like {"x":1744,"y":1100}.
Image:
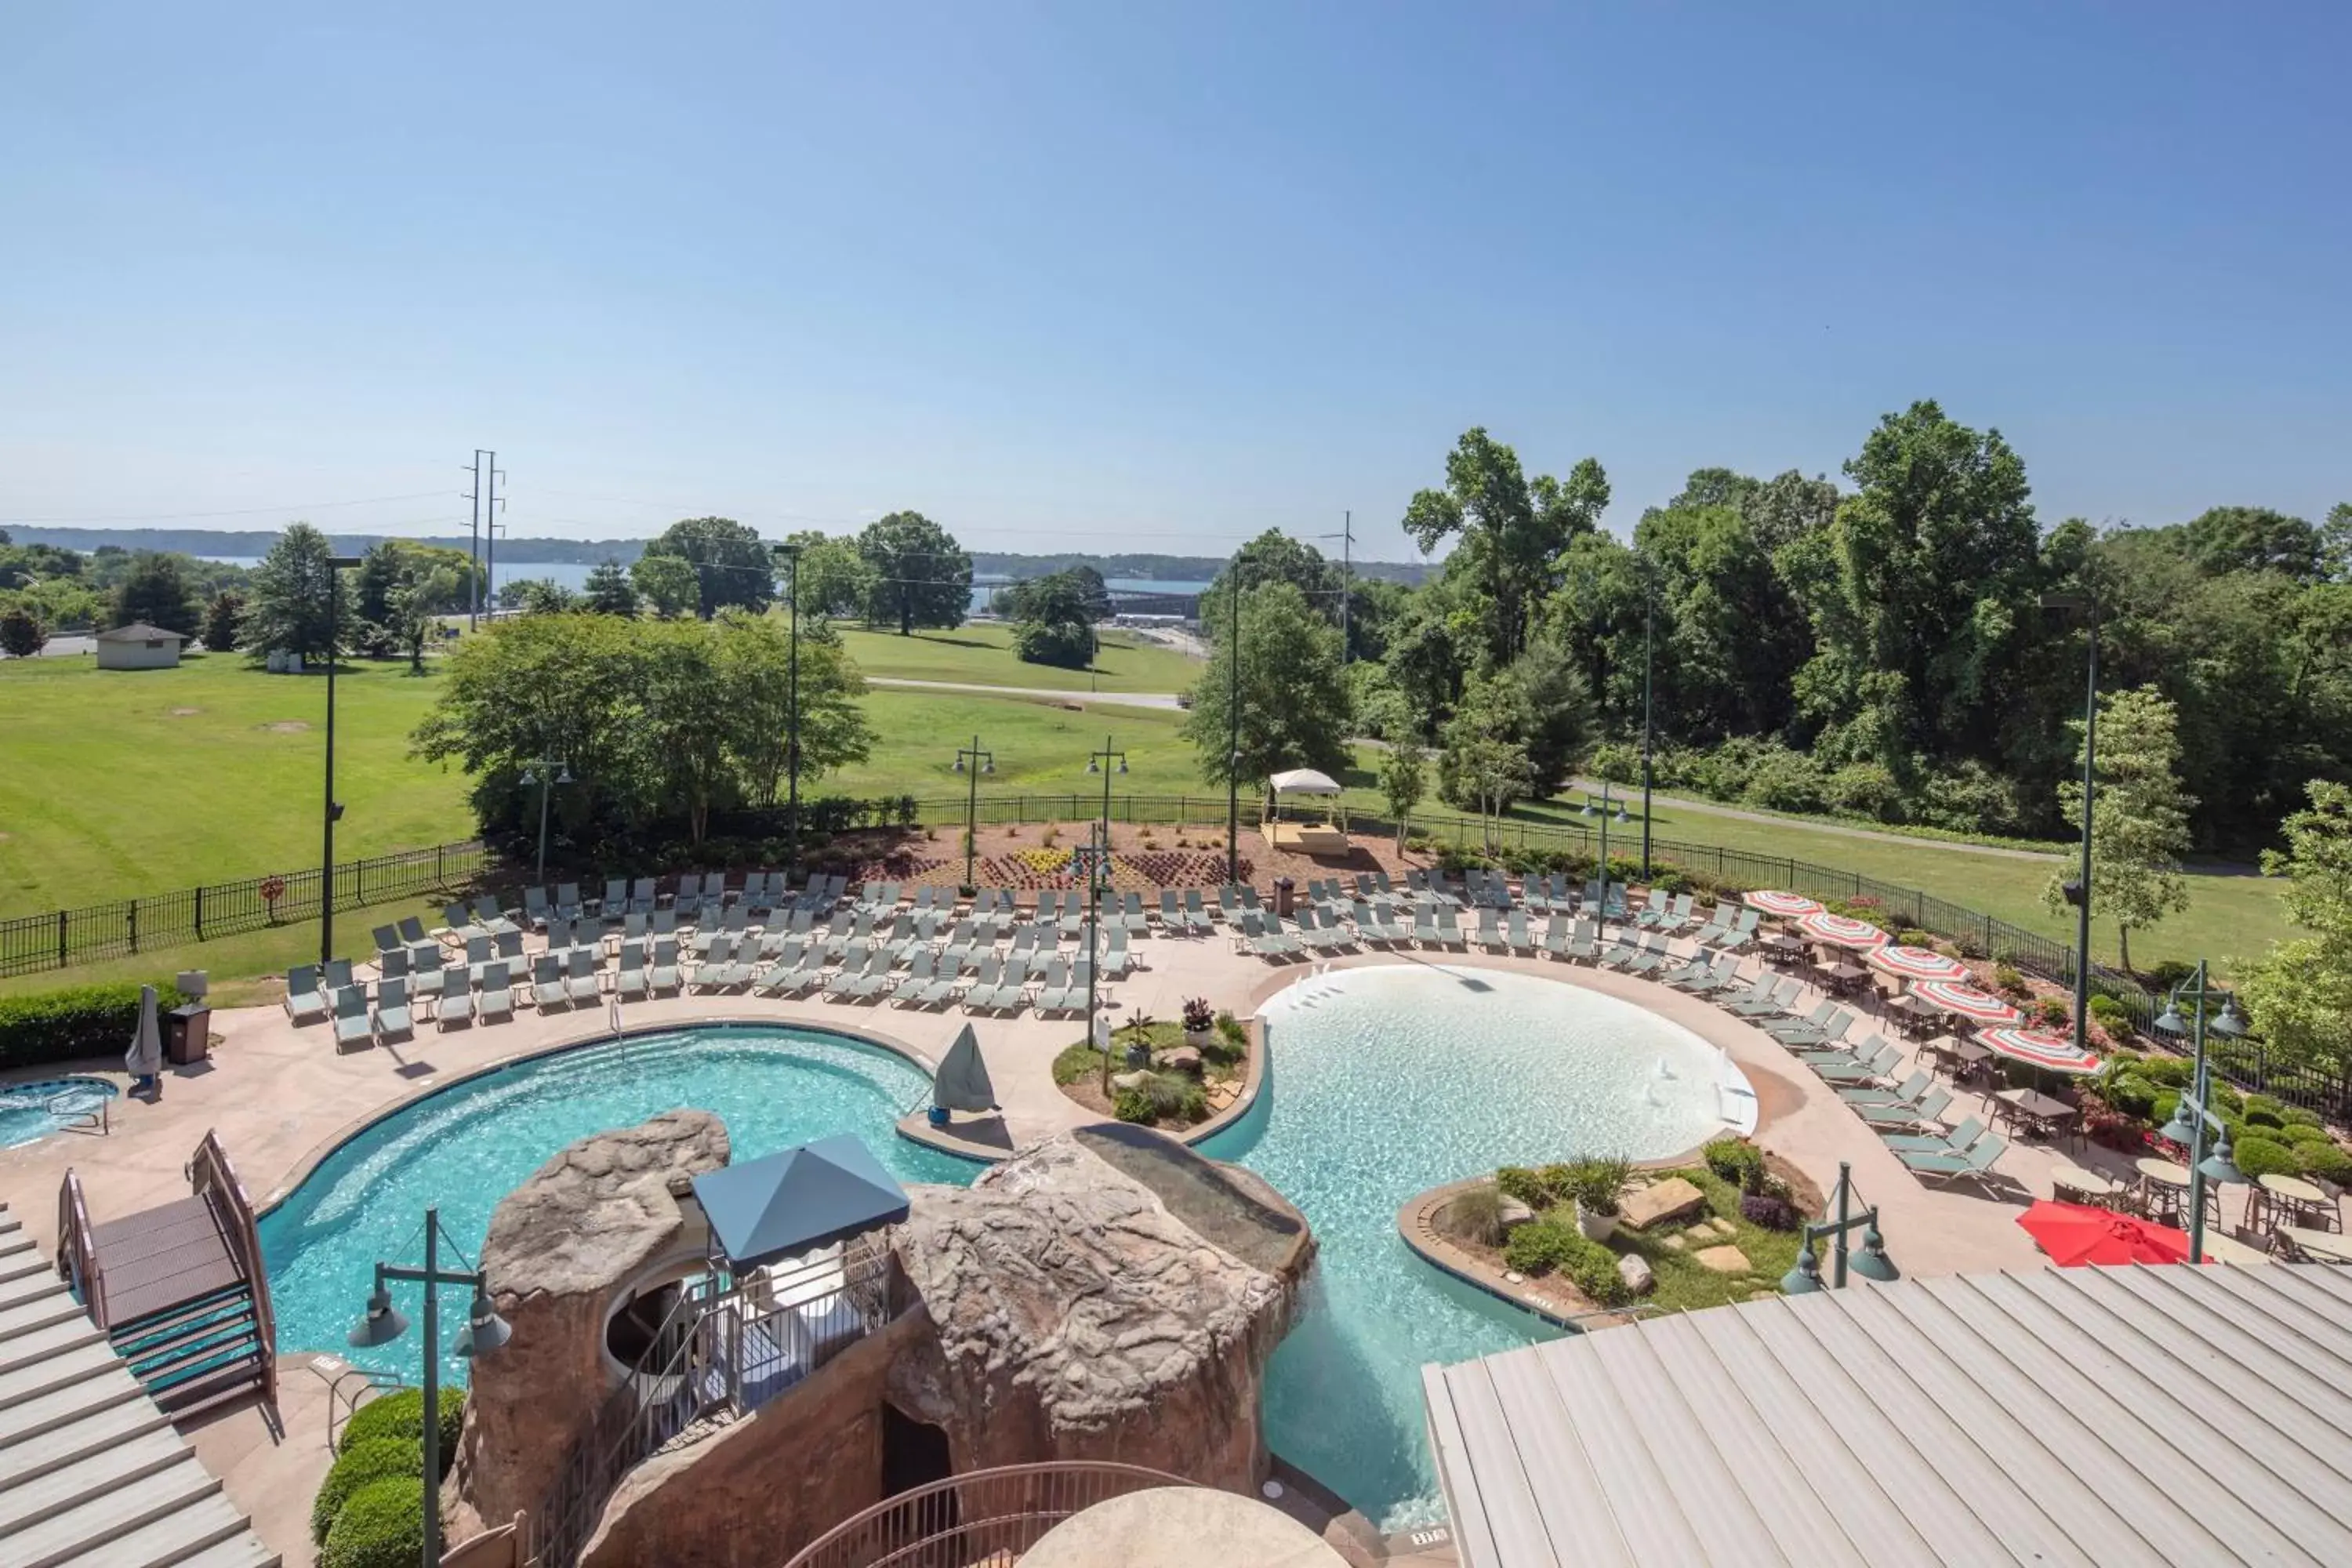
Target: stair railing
{"x":211,"y":1178}
{"x":77,"y":1252}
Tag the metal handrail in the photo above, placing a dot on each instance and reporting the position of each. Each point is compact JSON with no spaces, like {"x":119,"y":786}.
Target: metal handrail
{"x":984,"y":1516}
{"x":77,"y":1252}
{"x":211,"y":1177}
{"x":360,"y":1379}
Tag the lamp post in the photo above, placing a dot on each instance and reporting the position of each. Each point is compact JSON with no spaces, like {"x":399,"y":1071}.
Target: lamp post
{"x":972,"y":760}
{"x":1096,"y":872}
{"x":2194,"y":1113}
{"x":546,"y":772}
{"x":336,"y":566}
{"x":484,"y":1330}
{"x":1603,"y":814}
{"x":2078,"y":892}
{"x":1649,"y":620}
{"x":1233,"y":725}
{"x":791,"y":554}
{"x":1874,"y":1264}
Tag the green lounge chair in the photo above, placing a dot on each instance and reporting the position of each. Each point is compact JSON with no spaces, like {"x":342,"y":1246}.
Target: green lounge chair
{"x":352,"y":1026}
{"x":305,"y":1002}
{"x":393,"y":1018}
{"x":1973,"y":1166}
{"x":1957,"y":1141}
{"x":453,"y":1002}
{"x":498,"y":994}
{"x":1925,"y":1111}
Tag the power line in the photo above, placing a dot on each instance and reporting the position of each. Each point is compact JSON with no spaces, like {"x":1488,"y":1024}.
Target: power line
{"x":186,"y":516}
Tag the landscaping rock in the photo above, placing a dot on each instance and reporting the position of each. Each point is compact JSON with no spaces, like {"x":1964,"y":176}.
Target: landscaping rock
{"x":1511,"y":1213}
{"x":1129,"y":1079}
{"x":1724,"y":1259}
{"x":1635,"y":1269}
{"x":1183,"y":1059}
{"x":1673,"y":1242}
{"x":1660,"y":1203}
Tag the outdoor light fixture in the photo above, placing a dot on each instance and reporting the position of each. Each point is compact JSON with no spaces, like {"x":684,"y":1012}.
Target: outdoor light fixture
{"x":484,"y":1330}
{"x":1806,"y":1277}
{"x":1097,"y":873}
{"x":383,"y":1323}
{"x":1873,"y":1264}
{"x":981,"y":762}
{"x":2192,"y":1113}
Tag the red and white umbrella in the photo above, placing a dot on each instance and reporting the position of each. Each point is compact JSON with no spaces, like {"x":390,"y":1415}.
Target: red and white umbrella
{"x":1966,"y":1001}
{"x":1788,"y":906}
{"x":1842,"y":930}
{"x":2040,"y":1048}
{"x":1915,"y":962}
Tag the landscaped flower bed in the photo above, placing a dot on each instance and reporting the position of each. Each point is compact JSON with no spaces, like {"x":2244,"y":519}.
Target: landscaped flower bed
{"x":1166,"y":1096}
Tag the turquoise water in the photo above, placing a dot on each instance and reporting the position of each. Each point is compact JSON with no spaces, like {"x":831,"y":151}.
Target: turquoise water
{"x":1390,"y":1080}
{"x":469,"y":1145}
{"x":31,"y":1110}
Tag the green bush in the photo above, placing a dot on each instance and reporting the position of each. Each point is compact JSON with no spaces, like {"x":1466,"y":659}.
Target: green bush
{"x":2131,"y":1094}
{"x":2301,"y":1132}
{"x":2111,"y":1015}
{"x":2172,"y":1072}
{"x":381,"y":1526}
{"x":1542,"y":1246}
{"x":400,"y":1413}
{"x":2324,"y":1161}
{"x":2259,"y":1156}
{"x":1162,"y":1097}
{"x":1592,"y":1269}
{"x":1595,"y":1185}
{"x":1474,"y":1215}
{"x":1233,"y":1029}
{"x":2053,"y":1012}
{"x":2163,"y":976}
{"x":2259,"y":1116}
{"x":68,"y":1025}
{"x":357,"y":1465}
{"x":1734,"y":1160}
{"x":1519,"y":1181}
{"x":2296,"y":1116}
{"x":2005,"y":978}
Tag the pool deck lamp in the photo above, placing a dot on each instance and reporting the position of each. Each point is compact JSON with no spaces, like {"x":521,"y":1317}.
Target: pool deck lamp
{"x":2192,"y":1115}
{"x":1872,"y":1265}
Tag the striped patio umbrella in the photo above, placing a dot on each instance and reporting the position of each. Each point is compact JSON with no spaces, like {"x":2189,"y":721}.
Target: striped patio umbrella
{"x":1788,"y":906}
{"x":1965,"y":1002}
{"x":1915,"y":962}
{"x":2040,"y":1048}
{"x":1841,"y":929}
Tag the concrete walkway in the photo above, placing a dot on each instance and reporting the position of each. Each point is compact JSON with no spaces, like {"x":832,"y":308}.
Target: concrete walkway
{"x":1164,"y":700}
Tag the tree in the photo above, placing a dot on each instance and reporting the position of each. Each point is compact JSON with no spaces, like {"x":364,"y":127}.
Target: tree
{"x":1055,"y":625}
{"x":1272,"y":557}
{"x":832,"y":577}
{"x":922,"y":578}
{"x":754,"y":669}
{"x":288,"y":609}
{"x":1293,"y":697}
{"x":155,"y":590}
{"x":1513,"y":530}
{"x":415,"y":609}
{"x":731,"y":564}
{"x":1403,"y":782}
{"x":2253,"y":539}
{"x":608,"y":591}
{"x":21,"y":636}
{"x":221,"y":617}
{"x":667,"y":583}
{"x":1550,"y":714}
{"x":2336,"y":543}
{"x":2300,"y":992}
{"x":544,"y":596}
{"x":2139,"y":816}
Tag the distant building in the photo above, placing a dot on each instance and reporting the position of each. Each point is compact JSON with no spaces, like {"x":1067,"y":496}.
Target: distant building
{"x":138,"y":646}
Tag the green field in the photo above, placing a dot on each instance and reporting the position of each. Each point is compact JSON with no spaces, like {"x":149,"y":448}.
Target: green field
{"x":982,"y":655}
{"x":122,"y":783}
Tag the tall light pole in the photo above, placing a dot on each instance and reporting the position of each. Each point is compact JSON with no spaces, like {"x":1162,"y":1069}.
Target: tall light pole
{"x":484,"y":1331}
{"x":2078,"y":892}
{"x":2193,"y":1114}
{"x":1874,"y":1264}
{"x":791,"y":554}
{"x":974,"y":761}
{"x":1096,"y":873}
{"x":1233,"y":726}
{"x":336,"y":566}
{"x":546,"y":772}
{"x":1603,"y":815}
{"x":1649,"y":620}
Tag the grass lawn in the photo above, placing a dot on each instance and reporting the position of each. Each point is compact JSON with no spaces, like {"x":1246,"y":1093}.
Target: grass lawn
{"x":982,"y":654}
{"x":1684,"y":1284}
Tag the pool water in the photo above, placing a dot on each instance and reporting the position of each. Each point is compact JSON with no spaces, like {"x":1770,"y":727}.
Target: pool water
{"x":1385,"y":1082}
{"x":469,"y":1145}
{"x":34,"y":1110}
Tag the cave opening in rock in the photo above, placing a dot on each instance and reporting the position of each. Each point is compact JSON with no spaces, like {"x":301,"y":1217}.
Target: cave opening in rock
{"x":629,"y":1333}
{"x":915,"y":1453}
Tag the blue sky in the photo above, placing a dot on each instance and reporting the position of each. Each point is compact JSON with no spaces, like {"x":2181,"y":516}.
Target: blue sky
{"x":1155,"y":277}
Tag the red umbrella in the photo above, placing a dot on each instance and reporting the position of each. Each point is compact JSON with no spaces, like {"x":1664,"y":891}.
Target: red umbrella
{"x":1915,"y":962}
{"x":2075,"y":1235}
{"x":2039,"y":1047}
{"x":1842,"y":930}
{"x":1789,"y":906}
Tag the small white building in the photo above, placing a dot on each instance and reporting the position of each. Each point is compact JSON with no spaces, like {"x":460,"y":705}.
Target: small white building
{"x":138,"y":646}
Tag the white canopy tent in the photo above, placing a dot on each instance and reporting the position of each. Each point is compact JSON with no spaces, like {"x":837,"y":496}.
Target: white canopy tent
{"x":1328,"y":835}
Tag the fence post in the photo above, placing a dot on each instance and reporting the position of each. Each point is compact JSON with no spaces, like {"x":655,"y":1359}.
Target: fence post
{"x":1792,"y":873}
{"x":199,"y":911}
{"x":134,"y":925}
{"x":440,"y":872}
{"x":61,"y":939}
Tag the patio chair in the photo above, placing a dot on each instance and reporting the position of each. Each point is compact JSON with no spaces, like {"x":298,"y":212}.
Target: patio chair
{"x":1699,"y":973}
{"x":1655,"y":910}
{"x":1807,"y":1037}
{"x":1424,"y":925}
{"x":1490,"y":928}
{"x":1959,"y":1140}
{"x":392,"y":964}
{"x":909,"y":986}
{"x":662,"y":973}
{"x":454,"y":1001}
{"x":1617,"y":952}
{"x":1975,"y":1165}
{"x":546,"y":982}
{"x":632,"y":980}
{"x":336,"y":976}
{"x":497,"y":994}
{"x":782,"y":964}
{"x":394,"y":1019}
{"x":1054,"y":989}
{"x":580,"y":985}
{"x":305,"y":1002}
{"x":1926,"y":1111}
{"x":660,"y":923}
{"x":1515,"y":925}
{"x":1880,"y":1064}
{"x":615,"y":901}
{"x":1271,"y":941}
{"x":1131,"y":914}
{"x":412,"y":931}
{"x":1680,"y":915}
{"x":1117,"y":958}
{"x":536,"y":911}
{"x":980,"y":995}
{"x":1718,"y":922}
{"x":352,"y":1025}
{"x":1449,"y":929}
{"x":386,"y":937}
{"x":806,"y":975}
{"x":1780,"y":993}
{"x":491,"y":917}
{"x":1557,"y":929}
{"x":1172,"y":917}
{"x":940,"y":989}
{"x":872,"y":981}
{"x":1742,"y":931}
{"x":1198,"y":922}
{"x":1904,"y":1093}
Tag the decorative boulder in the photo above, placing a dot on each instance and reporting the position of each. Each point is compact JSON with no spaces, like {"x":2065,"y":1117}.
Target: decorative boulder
{"x":1660,"y":1203}
{"x":1129,"y":1079}
{"x":1182,"y":1059}
{"x":1510,"y":1213}
{"x":1635,"y":1269}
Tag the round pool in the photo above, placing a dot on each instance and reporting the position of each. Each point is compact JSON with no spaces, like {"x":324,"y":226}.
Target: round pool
{"x":36,"y":1108}
{"x":470,"y":1144}
{"x":1385,"y":1081}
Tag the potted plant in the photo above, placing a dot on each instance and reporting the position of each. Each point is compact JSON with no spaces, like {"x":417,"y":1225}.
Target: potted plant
{"x":1596,"y":1185}
{"x":1138,"y":1040}
{"x":1200,"y":1021}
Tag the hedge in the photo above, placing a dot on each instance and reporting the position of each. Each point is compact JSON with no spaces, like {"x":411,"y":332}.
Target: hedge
{"x":69,"y":1025}
{"x":382,"y":1526}
{"x":402,"y":1415}
{"x":358,"y":1465}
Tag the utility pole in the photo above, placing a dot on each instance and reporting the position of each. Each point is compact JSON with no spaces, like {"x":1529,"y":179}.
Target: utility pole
{"x":490,"y":504}
{"x":474,"y":553}
{"x":1346,"y":537}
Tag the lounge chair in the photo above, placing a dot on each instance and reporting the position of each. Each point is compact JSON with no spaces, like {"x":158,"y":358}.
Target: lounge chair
{"x":1655,"y":910}
{"x":1923,"y":1111}
{"x":1959,"y":1140}
{"x":1651,"y":957}
{"x":660,"y":923}
{"x":909,"y":986}
{"x":305,"y":1002}
{"x":662,"y":974}
{"x":1742,"y":931}
{"x":393,"y":1018}
{"x":453,"y":1002}
{"x":567,"y":900}
{"x":424,"y":961}
{"x":782,"y":965}
{"x":1137,"y":923}
{"x":1777,"y":994}
{"x":1054,"y":989}
{"x":1515,"y":925}
{"x":872,"y":981}
{"x":1171,"y":918}
{"x":980,"y":995}
{"x":1904,"y":1093}
{"x":1197,"y":918}
{"x":1808,"y":1037}
{"x":1073,"y":914}
{"x":1012,"y":991}
{"x":491,"y":917}
{"x":1716,"y":924}
{"x":940,"y":989}
{"x":1424,"y":925}
{"x":498,"y":994}
{"x":1490,"y":928}
{"x":1681,"y":914}
{"x":352,"y":1025}
{"x":1247,"y":928}
{"x":336,"y":976}
{"x":929,"y":900}
{"x":412,"y":931}
{"x":806,"y":975}
{"x":1449,"y":928}
{"x":580,"y":985}
{"x":536,"y":911}
{"x":387,"y":938}
{"x":643,"y":895}
{"x":1880,"y":1064}
{"x":1972,"y":1166}
{"x":1702,"y":973}
{"x":630,"y":976}
{"x":615,"y":901}
{"x":546,"y":982}
{"x":1272,"y":940}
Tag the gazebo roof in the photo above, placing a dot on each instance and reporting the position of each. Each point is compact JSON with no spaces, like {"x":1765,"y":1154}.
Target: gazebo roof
{"x":139,"y":631}
{"x":1303,"y":781}
{"x":823,"y":1192}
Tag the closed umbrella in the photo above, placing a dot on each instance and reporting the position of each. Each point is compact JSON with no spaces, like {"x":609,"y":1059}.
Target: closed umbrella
{"x":962,"y":1083}
{"x":2040,"y":1048}
{"x":1915,"y":962}
{"x":1966,"y":1001}
{"x":2078,"y":1234}
{"x":1840,"y":929}
{"x":1788,"y":906}
{"x":144,"y":1059}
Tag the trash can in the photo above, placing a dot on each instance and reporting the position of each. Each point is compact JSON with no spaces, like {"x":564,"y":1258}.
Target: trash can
{"x":1284,"y":890}
{"x":187,"y":1034}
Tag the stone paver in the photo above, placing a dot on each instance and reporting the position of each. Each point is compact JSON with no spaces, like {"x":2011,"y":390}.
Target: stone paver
{"x":1660,"y":1203}
{"x":1723,"y":1259}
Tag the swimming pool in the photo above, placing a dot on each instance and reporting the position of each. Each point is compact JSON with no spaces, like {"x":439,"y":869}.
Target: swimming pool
{"x":1389,"y":1081}
{"x":467,"y":1146}
{"x":36,"y":1110}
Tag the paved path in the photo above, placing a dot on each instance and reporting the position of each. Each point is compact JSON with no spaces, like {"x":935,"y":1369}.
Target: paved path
{"x":1161,"y":699}
{"x":1813,"y":824}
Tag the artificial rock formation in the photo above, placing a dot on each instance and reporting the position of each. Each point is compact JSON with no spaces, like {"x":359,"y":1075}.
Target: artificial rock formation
{"x":562,"y":1248}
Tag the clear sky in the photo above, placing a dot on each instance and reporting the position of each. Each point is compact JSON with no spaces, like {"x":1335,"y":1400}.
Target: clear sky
{"x":1155,"y":276}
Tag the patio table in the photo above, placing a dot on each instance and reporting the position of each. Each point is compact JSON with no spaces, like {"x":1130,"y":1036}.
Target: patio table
{"x":2316,"y":1245}
{"x":2036,"y":1112}
{"x":2276,"y":1200}
{"x":2163,"y":1187}
{"x":2072,"y":1184}
{"x":1843,"y":976}
{"x":1962,"y":1057}
{"x":1910,"y":1013}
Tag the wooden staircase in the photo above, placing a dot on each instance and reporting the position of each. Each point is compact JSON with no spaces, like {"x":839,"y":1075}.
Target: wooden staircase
{"x":91,"y":1472}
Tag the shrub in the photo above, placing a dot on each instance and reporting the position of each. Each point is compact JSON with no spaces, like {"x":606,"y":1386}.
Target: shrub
{"x":1734,"y":1160}
{"x":2324,"y":1161}
{"x":2296,"y":1116}
{"x":1670,"y":879}
{"x":1912,"y":936}
{"x":64,"y":1025}
{"x":1541,"y":1246}
{"x":2164,"y":976}
{"x":2260,"y":1156}
{"x":1475,"y":1215}
{"x":2264,"y":1116}
{"x":381,"y":1526}
{"x":2111,"y":1129}
{"x":2006,"y":978}
{"x":2171,"y":1072}
{"x":355,"y":1466}
{"x":1233,"y":1028}
{"x":2053,"y":1012}
{"x":2130,"y":1094}
{"x":1595,"y":1185}
{"x":1770,"y":1210}
{"x":1519,"y":1181}
{"x":1593,"y":1268}
{"x":400,"y":1413}
{"x":2111,"y":1015}
{"x":2299,"y":1132}
{"x":1161,"y":1096}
